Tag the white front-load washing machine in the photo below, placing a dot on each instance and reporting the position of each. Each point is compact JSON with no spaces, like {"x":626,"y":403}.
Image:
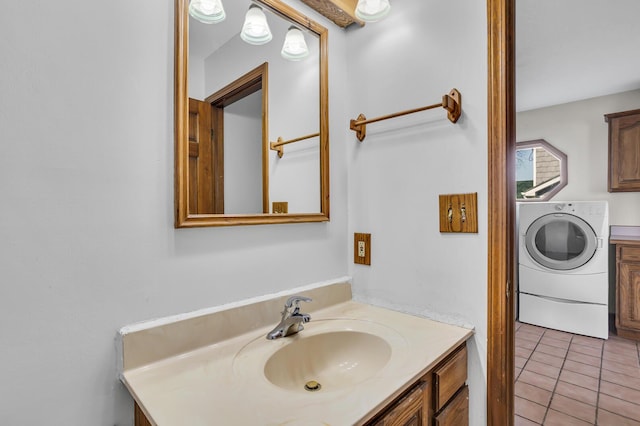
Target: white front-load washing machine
{"x":563,"y":266}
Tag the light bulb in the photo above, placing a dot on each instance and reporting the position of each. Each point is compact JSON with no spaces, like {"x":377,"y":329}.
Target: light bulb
{"x":207,"y":11}
{"x":256,"y":28}
{"x":372,"y":10}
{"x":294,"y":47}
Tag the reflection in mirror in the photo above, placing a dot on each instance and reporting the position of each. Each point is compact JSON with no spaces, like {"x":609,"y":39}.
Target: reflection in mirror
{"x":240,"y":96}
{"x":541,"y":170}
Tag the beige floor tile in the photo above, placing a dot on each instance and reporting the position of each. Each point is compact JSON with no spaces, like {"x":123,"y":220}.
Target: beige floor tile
{"x":564,"y":344}
{"x":578,"y":367}
{"x":555,"y":418}
{"x":574,"y":408}
{"x":521,"y":421}
{"x":541,"y":368}
{"x":620,"y":392}
{"x":532,"y":393}
{"x":621,"y":379}
{"x":522,"y":352}
{"x":559,"y":335}
{"x":585,"y":359}
{"x":620,"y":407}
{"x":538,"y":380}
{"x":606,"y":418}
{"x":529,"y":410}
{"x":578,"y":393}
{"x":579,"y":379}
{"x":547,"y":359}
{"x":587,"y":350}
{"x":519,"y":361}
{"x":588,"y":341}
{"x":625,"y":357}
{"x":524,"y":335}
{"x":618,"y":367}
{"x":551,"y":350}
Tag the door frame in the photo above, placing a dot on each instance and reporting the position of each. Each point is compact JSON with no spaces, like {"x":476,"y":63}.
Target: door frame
{"x":501,"y":211}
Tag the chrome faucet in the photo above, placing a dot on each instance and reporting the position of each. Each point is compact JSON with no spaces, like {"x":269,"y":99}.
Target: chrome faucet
{"x":292,"y":319}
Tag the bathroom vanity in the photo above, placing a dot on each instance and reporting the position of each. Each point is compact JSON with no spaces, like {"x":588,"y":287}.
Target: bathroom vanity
{"x":351,"y":364}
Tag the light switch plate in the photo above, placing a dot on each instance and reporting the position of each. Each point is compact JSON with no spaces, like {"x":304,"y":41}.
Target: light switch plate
{"x":362,"y":248}
{"x":459,"y":213}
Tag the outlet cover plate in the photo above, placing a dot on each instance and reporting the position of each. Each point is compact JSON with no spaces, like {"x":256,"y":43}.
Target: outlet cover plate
{"x":359,"y":240}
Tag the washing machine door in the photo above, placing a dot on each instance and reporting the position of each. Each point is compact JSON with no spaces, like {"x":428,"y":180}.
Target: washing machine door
{"x":561,"y":241}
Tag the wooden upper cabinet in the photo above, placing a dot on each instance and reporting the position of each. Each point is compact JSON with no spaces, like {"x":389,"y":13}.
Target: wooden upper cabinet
{"x":624,"y":151}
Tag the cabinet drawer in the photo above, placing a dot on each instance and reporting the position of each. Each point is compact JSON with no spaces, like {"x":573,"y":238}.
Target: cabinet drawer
{"x":629,"y":253}
{"x":449,"y":377}
{"x":456,"y":413}
{"x":409,"y":410}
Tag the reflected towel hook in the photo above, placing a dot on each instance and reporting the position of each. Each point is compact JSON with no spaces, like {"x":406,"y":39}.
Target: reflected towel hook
{"x":278,"y":146}
{"x":452,"y":102}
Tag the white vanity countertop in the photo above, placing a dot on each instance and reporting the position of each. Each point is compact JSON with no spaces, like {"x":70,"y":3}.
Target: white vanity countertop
{"x":214,"y":385}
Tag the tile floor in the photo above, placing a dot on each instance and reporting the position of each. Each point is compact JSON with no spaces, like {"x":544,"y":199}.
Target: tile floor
{"x":567,"y":379}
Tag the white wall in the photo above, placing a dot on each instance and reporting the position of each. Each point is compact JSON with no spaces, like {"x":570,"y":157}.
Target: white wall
{"x":578,"y":129}
{"x":410,"y":59}
{"x":243,"y":155}
{"x":87,"y":242}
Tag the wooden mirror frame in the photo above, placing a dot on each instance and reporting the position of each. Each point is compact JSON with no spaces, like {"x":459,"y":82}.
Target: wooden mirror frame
{"x":183,"y":219}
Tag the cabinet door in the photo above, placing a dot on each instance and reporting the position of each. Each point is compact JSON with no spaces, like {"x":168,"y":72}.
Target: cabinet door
{"x":456,"y":413}
{"x":139,"y":418}
{"x":411,"y":410}
{"x":624,"y":153}
{"x":629,"y":295}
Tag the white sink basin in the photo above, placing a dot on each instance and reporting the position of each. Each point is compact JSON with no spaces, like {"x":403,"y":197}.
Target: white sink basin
{"x":332,"y":360}
{"x":332,"y":353}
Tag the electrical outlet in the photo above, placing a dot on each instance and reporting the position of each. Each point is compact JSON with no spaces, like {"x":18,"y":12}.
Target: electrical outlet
{"x":362,"y":249}
{"x":280,"y":207}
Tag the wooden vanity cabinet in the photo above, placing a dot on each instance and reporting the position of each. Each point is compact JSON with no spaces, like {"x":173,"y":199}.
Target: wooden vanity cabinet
{"x":412,"y":409}
{"x":139,"y":418}
{"x":439,"y":398}
{"x":628,"y":290}
{"x":624,"y":151}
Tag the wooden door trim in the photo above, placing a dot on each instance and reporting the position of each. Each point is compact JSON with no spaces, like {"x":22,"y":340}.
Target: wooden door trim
{"x":501,"y":211}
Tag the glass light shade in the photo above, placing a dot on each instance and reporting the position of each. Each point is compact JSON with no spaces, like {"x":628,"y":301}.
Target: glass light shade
{"x":372,"y":10}
{"x":294,"y":47}
{"x":207,"y":11}
{"x":255,"y":29}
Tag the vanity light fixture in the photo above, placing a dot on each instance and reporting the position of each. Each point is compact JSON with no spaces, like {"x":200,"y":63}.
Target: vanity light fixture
{"x":207,"y":11}
{"x":372,"y":10}
{"x":256,"y":28}
{"x":294,"y":47}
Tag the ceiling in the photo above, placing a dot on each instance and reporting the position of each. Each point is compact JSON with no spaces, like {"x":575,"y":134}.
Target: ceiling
{"x":568,"y":50}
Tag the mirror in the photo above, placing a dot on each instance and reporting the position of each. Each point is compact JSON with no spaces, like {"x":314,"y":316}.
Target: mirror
{"x":251,"y":141}
{"x":541,"y":170}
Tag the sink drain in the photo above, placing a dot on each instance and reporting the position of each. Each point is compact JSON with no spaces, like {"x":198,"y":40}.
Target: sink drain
{"x":312,"y":386}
